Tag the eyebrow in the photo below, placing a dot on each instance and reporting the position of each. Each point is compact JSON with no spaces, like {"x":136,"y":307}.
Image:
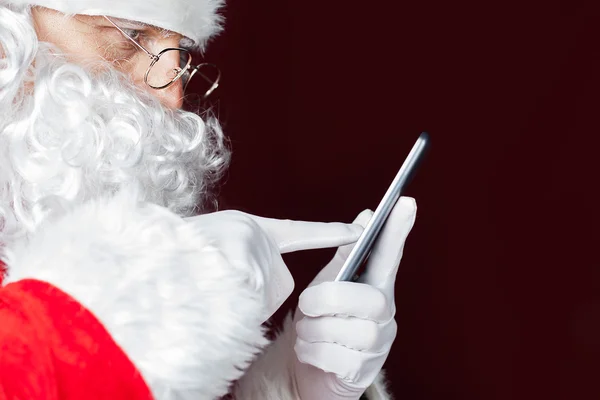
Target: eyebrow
{"x":130,"y":24}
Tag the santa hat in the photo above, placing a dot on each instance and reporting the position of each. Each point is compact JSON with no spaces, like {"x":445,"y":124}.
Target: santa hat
{"x":197,"y":20}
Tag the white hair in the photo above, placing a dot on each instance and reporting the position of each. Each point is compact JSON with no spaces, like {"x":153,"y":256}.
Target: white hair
{"x":68,"y":135}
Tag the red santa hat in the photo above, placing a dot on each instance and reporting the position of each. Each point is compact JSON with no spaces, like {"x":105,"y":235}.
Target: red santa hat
{"x":197,"y":20}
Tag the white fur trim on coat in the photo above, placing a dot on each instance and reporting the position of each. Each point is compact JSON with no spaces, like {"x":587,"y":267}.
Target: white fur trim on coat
{"x":189,"y":321}
{"x":198,"y":20}
{"x":270,"y":376}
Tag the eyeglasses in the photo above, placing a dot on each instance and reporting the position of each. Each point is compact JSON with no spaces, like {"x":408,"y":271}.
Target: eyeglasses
{"x":157,"y":78}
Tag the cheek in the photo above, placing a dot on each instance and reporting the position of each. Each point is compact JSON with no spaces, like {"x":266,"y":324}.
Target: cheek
{"x":135,"y":67}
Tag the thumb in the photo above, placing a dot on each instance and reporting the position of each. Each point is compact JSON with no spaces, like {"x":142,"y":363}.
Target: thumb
{"x":384,"y":260}
{"x":293,"y":236}
{"x":330,"y":271}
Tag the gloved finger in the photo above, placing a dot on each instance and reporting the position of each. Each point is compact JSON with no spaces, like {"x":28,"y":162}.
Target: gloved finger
{"x":345,"y":299}
{"x":354,"y":333}
{"x":357,"y":367}
{"x":330,"y":271}
{"x":292,"y":235}
{"x":361,"y":219}
{"x":386,"y":254}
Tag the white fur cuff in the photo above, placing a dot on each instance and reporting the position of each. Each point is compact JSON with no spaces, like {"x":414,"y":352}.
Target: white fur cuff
{"x":189,"y":322}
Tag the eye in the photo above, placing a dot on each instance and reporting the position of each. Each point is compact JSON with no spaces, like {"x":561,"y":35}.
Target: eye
{"x":133,"y":33}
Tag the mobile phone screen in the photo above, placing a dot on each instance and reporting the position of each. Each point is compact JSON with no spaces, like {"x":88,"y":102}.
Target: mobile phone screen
{"x":365,"y":242}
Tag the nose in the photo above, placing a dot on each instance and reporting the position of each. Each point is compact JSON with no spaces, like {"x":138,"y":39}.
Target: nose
{"x":171,"y":96}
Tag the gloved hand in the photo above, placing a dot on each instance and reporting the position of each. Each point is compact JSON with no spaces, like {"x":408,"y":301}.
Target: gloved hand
{"x":345,"y":329}
{"x":249,"y":241}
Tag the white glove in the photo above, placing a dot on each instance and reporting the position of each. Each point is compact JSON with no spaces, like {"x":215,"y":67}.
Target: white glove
{"x":344,"y":329}
{"x":248,"y":241}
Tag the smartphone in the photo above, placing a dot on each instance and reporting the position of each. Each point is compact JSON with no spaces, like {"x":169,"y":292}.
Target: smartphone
{"x":365,"y":242}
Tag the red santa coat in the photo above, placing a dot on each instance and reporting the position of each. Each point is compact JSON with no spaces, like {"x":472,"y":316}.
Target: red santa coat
{"x":120,"y":301}
{"x":52,"y":348}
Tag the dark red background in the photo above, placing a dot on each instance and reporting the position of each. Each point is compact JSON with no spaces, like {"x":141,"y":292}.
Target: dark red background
{"x":498,"y":294}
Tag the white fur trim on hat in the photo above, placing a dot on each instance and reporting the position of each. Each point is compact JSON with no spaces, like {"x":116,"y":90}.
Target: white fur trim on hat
{"x":197,"y":20}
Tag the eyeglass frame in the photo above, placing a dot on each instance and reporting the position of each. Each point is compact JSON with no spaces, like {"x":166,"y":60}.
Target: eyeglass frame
{"x":182,"y":71}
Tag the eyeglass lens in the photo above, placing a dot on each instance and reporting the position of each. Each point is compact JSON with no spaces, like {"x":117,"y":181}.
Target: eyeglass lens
{"x":170,"y":66}
{"x":205,"y":80}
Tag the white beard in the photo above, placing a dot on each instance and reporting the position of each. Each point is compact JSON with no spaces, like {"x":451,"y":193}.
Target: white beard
{"x":78,"y":135}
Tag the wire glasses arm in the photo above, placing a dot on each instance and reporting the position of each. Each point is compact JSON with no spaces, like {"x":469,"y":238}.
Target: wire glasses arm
{"x":130,"y":38}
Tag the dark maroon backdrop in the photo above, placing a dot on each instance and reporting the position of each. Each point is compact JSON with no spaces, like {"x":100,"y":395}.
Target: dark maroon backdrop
{"x":499,"y":291}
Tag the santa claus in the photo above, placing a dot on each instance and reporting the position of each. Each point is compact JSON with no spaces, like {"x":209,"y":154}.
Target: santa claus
{"x":116,"y":284}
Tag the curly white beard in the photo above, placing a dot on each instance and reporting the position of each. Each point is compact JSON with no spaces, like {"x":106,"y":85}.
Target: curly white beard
{"x":67,"y":135}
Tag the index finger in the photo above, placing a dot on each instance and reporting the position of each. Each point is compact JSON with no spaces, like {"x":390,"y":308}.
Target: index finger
{"x":293,"y":235}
